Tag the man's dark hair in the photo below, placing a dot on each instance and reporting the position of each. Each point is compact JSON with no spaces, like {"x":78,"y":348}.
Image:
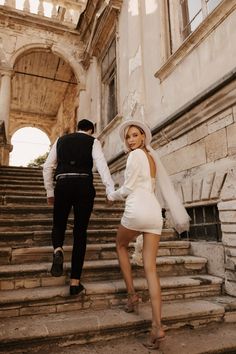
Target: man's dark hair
{"x":85,"y":125}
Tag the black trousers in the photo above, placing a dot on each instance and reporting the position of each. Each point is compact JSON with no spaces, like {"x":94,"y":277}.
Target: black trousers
{"x":78,"y":193}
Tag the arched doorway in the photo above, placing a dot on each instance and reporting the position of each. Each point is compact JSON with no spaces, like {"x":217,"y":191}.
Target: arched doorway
{"x":28,"y":144}
{"x":44,"y":92}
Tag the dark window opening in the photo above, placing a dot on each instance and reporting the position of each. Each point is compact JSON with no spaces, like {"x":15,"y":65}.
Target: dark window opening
{"x":109,"y":82}
{"x":204,"y":224}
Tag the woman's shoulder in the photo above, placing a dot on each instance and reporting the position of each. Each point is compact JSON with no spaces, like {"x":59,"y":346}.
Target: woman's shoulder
{"x":135,"y":156}
{"x":136,"y":153}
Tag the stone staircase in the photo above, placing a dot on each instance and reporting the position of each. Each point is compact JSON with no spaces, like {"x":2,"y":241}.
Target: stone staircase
{"x":37,"y":307}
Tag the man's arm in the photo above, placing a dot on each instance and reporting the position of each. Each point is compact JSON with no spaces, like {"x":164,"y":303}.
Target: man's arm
{"x":102,"y":167}
{"x":48,"y":167}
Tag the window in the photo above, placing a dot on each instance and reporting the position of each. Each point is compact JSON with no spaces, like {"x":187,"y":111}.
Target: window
{"x":194,"y":12}
{"x":109,"y":84}
{"x":204,"y":224}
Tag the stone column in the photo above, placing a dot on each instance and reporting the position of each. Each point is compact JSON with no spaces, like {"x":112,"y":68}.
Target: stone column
{"x":5,"y":98}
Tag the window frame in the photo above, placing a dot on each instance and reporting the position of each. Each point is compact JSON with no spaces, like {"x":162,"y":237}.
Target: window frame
{"x":107,"y":76}
{"x":187,"y":22}
{"x":181,"y":49}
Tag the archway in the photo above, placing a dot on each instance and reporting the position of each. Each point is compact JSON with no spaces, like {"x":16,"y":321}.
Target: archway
{"x":44,"y":93}
{"x":28,"y":144}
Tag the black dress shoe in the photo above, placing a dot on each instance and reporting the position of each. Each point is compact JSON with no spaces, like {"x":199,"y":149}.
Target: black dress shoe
{"x":57,"y":264}
{"x":76,"y":289}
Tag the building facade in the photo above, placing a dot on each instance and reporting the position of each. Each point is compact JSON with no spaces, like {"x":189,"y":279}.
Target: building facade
{"x":170,"y":63}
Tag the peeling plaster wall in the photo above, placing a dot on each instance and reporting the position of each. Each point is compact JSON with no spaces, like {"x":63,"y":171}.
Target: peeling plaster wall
{"x":90,"y":98}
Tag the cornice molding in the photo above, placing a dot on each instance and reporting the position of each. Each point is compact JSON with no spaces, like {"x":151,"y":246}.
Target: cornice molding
{"x":112,"y":125}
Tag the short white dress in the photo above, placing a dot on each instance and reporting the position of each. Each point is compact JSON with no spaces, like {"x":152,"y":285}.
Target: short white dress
{"x":142,"y":209}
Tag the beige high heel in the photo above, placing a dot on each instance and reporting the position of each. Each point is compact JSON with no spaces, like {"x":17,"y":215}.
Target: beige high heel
{"x":155,"y":338}
{"x":132,"y":303}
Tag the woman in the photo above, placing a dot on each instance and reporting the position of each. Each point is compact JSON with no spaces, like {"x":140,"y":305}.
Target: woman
{"x":142,"y":214}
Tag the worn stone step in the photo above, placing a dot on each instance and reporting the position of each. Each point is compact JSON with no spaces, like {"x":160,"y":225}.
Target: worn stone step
{"x":10,"y":177}
{"x":87,"y":326}
{"x":16,"y":212}
{"x":11,"y":255}
{"x":21,"y":182}
{"x":27,"y":177}
{"x":46,"y":222}
{"x":12,"y":187}
{"x":100,"y":295}
{"x":38,"y":238}
{"x":38,"y":274}
{"x":26,"y":238}
{"x":25,"y":172}
{"x":15,"y":170}
{"x":40,"y":199}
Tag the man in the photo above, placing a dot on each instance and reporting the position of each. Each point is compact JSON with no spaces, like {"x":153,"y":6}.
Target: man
{"x":73,"y":156}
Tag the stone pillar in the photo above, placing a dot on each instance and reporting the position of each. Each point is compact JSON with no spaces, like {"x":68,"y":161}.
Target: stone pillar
{"x":227,"y":211}
{"x":5,"y":98}
{"x":5,"y":148}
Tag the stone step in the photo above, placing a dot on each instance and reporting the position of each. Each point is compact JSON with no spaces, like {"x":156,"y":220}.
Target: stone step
{"x":46,"y":222}
{"x":10,"y":255}
{"x":33,"y":275}
{"x":16,"y":239}
{"x":7,"y":188}
{"x":34,"y":183}
{"x":15,"y":170}
{"x":16,"y":212}
{"x":102,"y":295}
{"x":11,"y":171}
{"x":31,"y":180}
{"x":87,"y":326}
{"x":40,"y":199}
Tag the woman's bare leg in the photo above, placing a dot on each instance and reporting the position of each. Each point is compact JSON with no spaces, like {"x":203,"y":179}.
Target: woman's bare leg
{"x":123,"y":238}
{"x":150,"y":250}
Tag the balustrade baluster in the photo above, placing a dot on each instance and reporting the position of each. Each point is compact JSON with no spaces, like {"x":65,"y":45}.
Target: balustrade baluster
{"x":68,"y":17}
{"x":41,"y":8}
{"x":11,"y":3}
{"x":26,"y":6}
{"x":54,"y":10}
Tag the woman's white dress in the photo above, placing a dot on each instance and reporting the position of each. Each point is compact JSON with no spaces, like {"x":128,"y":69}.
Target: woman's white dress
{"x":142,"y":209}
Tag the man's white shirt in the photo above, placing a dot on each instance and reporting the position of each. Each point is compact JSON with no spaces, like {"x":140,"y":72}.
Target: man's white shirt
{"x":98,"y":159}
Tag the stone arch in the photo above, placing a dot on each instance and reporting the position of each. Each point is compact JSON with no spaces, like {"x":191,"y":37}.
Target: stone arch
{"x":29,"y":125}
{"x":57,"y":50}
{"x":202,"y":188}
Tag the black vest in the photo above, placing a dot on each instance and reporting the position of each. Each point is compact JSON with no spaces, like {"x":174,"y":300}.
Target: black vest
{"x":74,"y":154}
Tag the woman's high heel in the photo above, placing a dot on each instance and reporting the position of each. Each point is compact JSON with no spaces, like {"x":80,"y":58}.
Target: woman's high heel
{"x":133,"y":303}
{"x":155,"y":338}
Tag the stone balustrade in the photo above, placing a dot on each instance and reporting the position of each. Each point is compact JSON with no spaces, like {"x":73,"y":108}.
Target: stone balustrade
{"x":66,"y":12}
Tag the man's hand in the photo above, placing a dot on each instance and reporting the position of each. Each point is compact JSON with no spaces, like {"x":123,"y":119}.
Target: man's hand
{"x":50,"y":200}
